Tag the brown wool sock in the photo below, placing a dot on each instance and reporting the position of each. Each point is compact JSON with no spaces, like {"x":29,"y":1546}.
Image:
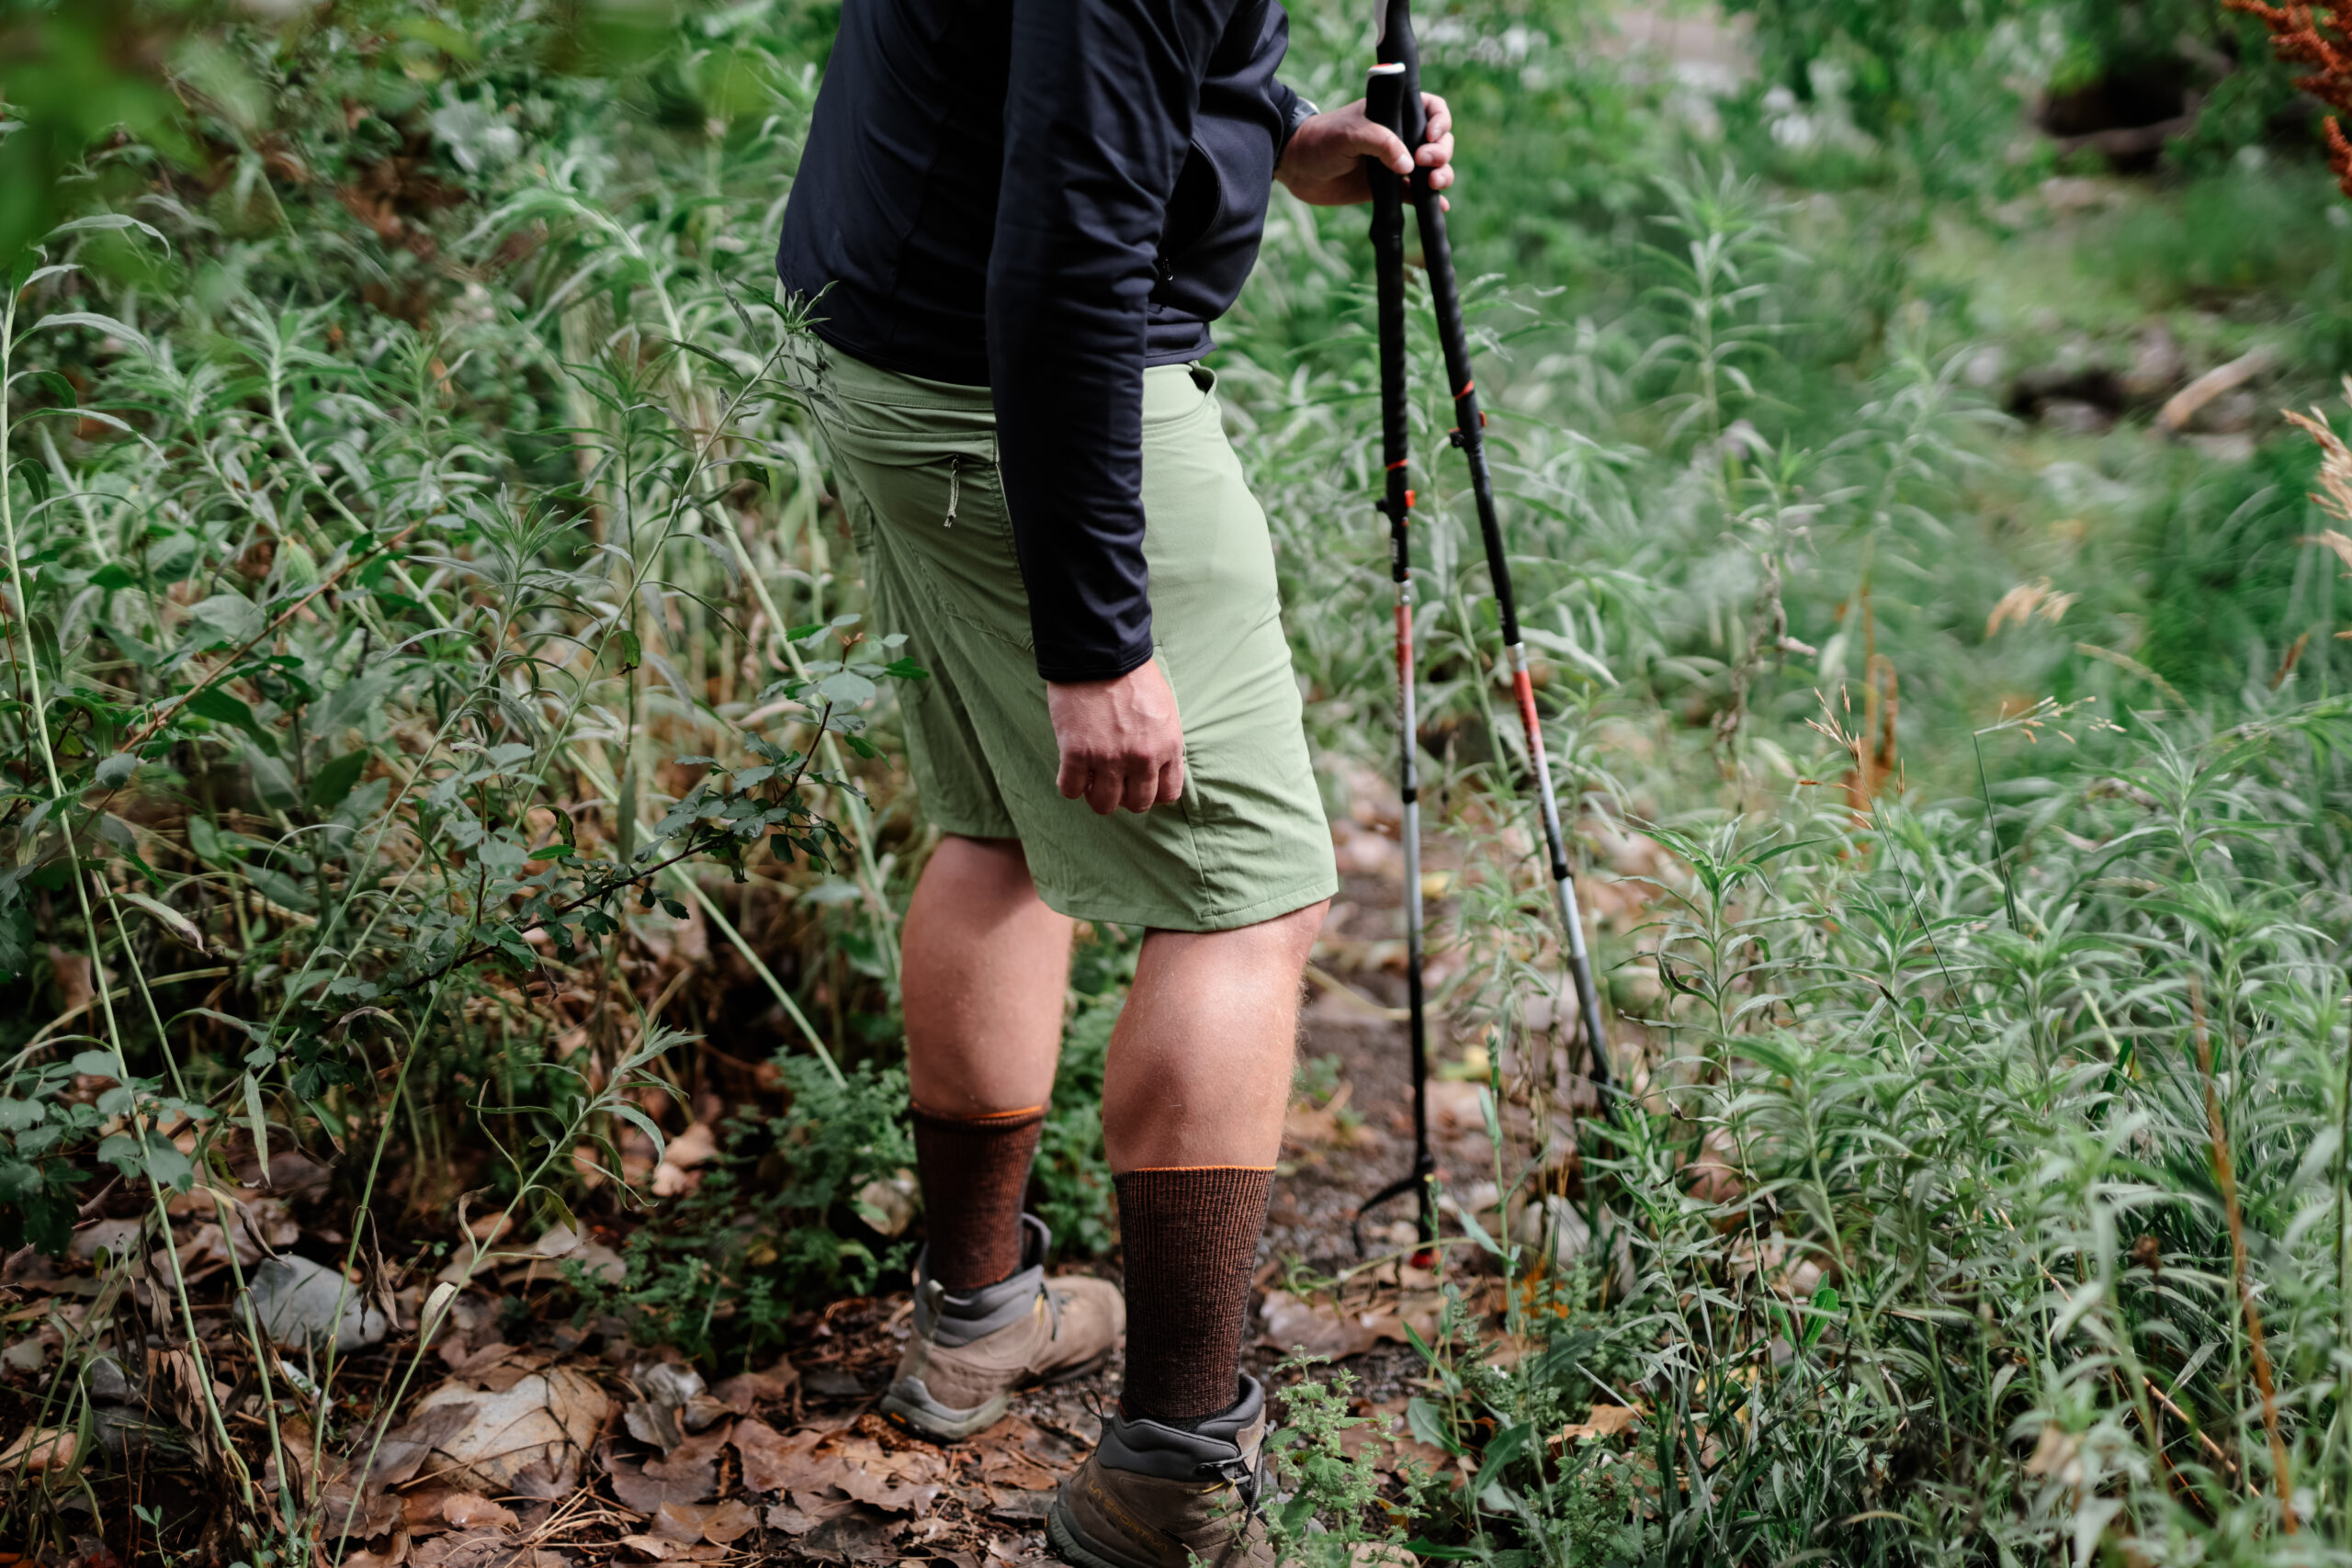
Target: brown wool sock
{"x":1190,"y":1239}
{"x":975,"y":1170}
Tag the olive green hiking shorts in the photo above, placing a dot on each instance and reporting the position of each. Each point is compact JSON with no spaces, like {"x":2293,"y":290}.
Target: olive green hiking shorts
{"x":915,"y":464}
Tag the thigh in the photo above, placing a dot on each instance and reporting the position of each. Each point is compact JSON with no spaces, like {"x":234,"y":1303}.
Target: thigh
{"x":888,"y":489}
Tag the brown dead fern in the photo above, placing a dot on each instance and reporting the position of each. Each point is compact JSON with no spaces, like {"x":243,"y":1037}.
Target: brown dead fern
{"x":2319,"y":36}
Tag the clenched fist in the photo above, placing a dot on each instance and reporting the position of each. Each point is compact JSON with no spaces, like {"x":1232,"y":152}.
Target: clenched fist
{"x":1122,"y":743}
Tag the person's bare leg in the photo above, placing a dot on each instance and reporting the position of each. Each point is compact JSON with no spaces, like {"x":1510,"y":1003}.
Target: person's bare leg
{"x":986,"y":967}
{"x":986,"y":970}
{"x":1193,"y":1093}
{"x":1199,"y":1066}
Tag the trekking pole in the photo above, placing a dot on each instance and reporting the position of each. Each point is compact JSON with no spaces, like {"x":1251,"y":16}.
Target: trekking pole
{"x":1397,"y":47}
{"x":1381,"y":94}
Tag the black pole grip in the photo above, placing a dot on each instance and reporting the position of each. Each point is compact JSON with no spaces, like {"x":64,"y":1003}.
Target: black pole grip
{"x":1383,"y":92}
{"x":1398,"y":46}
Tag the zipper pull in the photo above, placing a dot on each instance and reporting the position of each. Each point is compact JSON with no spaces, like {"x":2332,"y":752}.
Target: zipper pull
{"x":955,"y":490}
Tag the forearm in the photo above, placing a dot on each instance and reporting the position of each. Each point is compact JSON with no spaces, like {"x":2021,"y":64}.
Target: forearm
{"x":1099,"y":112}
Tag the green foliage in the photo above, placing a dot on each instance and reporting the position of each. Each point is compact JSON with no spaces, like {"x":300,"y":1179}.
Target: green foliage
{"x":1331,"y":1504}
{"x":424,"y":593}
{"x":772,"y":1226}
{"x":1939,"y":83}
{"x":1070,"y":1187}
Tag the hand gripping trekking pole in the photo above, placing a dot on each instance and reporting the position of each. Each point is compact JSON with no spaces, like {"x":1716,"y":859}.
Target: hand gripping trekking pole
{"x":1392,"y":98}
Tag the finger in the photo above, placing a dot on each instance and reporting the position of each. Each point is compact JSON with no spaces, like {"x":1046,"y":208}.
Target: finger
{"x":1171,"y":781}
{"x":1379,"y":141}
{"x":1105,"y":789}
{"x":1071,"y":780}
{"x":1440,"y":178}
{"x":1142,"y":791}
{"x":1441,"y":117}
{"x":1437,"y":151}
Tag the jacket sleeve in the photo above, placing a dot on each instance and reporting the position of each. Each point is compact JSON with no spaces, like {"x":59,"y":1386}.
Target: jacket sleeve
{"x":1099,"y":114}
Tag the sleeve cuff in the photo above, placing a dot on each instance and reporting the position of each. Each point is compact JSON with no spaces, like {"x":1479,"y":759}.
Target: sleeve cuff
{"x":1302,"y":109}
{"x":1070,"y":667}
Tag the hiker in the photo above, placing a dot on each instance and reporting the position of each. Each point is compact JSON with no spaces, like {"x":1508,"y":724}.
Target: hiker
{"x":1016,"y":220}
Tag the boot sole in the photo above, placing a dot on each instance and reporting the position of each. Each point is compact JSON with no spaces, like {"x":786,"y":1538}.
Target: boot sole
{"x":1071,"y":1547}
{"x":944,"y":1423}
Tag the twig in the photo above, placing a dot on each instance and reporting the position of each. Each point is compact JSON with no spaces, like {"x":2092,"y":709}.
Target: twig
{"x":1347,"y":993}
{"x":2185,"y":1419}
{"x":2226,"y":1175}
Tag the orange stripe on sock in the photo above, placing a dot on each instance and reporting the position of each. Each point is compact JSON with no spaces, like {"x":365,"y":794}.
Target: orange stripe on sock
{"x":921,"y":1110}
{"x":1140,"y":1169}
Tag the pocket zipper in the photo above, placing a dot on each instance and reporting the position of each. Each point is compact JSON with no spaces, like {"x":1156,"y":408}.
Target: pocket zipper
{"x":955,"y":489}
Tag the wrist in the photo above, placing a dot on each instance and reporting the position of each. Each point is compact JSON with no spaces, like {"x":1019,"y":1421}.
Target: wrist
{"x":1302,"y":109}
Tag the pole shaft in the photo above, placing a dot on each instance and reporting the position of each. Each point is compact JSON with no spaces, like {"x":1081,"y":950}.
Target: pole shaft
{"x":1382,"y":102}
{"x":1398,"y":46}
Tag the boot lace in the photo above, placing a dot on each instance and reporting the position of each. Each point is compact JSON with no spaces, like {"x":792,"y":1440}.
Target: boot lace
{"x":1251,"y":1475}
{"x":1052,"y":1309}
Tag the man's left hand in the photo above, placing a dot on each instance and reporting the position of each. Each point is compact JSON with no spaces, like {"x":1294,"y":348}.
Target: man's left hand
{"x":1323,"y":166}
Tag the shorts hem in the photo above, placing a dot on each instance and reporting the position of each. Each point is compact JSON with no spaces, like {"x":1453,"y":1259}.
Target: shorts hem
{"x":967,"y":829}
{"x":1169,"y":918}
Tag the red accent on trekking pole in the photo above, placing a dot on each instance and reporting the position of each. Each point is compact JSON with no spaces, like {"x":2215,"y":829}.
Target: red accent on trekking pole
{"x":1524,"y":689}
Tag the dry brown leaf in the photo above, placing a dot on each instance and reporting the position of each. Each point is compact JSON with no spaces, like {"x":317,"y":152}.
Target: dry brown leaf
{"x":469,"y":1548}
{"x":677,"y":1173}
{"x":687,"y":1474}
{"x":1603,"y":1421}
{"x":859,"y":1536}
{"x":772,"y":1462}
{"x":470,"y":1510}
{"x":818,"y":1462}
{"x":745,"y":1391}
{"x":477,"y":1363}
{"x":71,"y":972}
{"x":527,"y":1439}
{"x":1005,"y":1461}
{"x":1322,"y":1328}
{"x":681,"y":1522}
{"x":728,"y":1522}
{"x":39,"y":1449}
{"x":420,"y":1509}
{"x":370,"y":1514}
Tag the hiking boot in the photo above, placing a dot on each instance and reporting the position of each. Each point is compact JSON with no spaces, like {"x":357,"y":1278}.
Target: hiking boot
{"x":1158,"y":1496}
{"x":971,"y":1352}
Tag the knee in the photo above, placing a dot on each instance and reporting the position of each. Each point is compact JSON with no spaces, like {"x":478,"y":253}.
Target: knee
{"x":1281,"y":946}
{"x":1295,"y":932}
{"x":997,"y":867}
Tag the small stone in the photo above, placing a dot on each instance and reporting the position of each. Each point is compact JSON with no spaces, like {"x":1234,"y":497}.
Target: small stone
{"x":106,"y":1381}
{"x":300,"y":1302}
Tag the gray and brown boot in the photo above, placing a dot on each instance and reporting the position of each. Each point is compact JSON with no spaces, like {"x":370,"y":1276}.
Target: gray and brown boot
{"x":972,"y":1351}
{"x":1153,"y":1496}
